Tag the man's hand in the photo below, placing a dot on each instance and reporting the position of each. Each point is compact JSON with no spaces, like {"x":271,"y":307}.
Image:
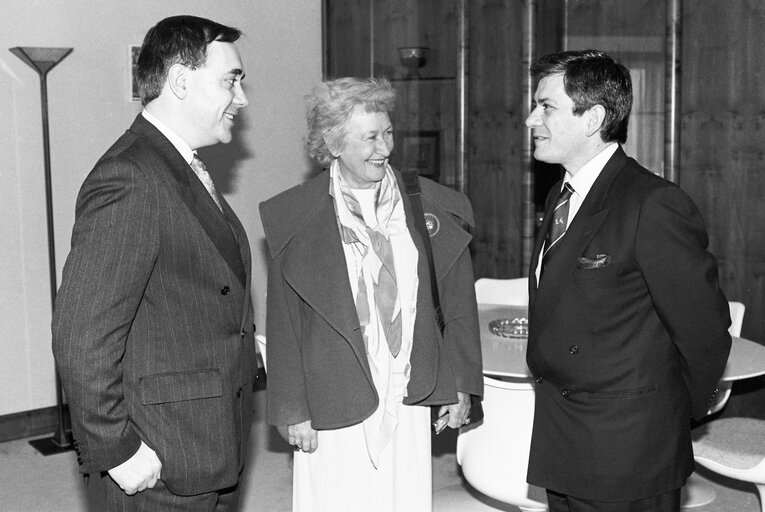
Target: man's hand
{"x":458,"y":413}
{"x":139,"y":472}
{"x":303,"y":437}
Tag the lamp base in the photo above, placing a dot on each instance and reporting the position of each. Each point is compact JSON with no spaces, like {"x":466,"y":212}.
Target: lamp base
{"x":52,"y":445}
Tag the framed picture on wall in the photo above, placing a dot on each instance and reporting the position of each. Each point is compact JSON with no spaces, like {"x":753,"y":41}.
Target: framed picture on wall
{"x":420,"y":152}
{"x":133,"y":51}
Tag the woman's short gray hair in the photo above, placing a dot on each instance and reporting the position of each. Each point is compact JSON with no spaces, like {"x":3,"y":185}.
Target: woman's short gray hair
{"x":330,"y":105}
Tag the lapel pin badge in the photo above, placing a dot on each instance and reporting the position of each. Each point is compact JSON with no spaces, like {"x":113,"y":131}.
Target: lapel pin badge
{"x":432,"y":224}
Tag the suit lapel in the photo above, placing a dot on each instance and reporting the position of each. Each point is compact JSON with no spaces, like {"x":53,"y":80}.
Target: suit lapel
{"x":240,"y":236}
{"x":539,"y":242}
{"x":246,"y":258}
{"x":197,"y":198}
{"x":449,"y":238}
{"x":322,"y":279}
{"x":562,"y":264}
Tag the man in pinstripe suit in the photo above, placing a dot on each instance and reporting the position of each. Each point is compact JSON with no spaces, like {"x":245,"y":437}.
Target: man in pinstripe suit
{"x":152,"y":329}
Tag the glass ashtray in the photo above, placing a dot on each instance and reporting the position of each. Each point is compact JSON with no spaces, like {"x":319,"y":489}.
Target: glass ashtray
{"x":510,"y":327}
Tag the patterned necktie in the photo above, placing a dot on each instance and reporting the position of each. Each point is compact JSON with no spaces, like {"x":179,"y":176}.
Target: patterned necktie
{"x":201,"y":171}
{"x":560,"y":219}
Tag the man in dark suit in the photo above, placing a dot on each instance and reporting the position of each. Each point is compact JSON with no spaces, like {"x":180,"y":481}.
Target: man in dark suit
{"x":152,"y":330}
{"x":628,"y":326}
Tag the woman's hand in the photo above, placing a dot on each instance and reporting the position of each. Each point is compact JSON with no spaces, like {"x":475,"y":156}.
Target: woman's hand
{"x":303,"y":437}
{"x":458,"y":413}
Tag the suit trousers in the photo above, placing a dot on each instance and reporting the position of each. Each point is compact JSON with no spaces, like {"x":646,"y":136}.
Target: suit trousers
{"x":160,"y":499}
{"x":667,"y":502}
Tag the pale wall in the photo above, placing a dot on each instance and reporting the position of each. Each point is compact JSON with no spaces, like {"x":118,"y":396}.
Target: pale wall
{"x":87,"y":95}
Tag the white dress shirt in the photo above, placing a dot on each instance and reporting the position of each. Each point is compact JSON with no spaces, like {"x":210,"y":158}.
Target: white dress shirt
{"x":181,"y":145}
{"x":581,"y":183}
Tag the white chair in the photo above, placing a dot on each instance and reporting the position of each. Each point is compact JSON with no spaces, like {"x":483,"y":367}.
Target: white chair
{"x":511,"y":292}
{"x":733,"y":447}
{"x":494,"y":455}
{"x":696,"y":493}
{"x":262,"y":349}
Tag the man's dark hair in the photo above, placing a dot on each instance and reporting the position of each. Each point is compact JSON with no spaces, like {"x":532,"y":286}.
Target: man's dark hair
{"x":176,"y":40}
{"x":590,"y":77}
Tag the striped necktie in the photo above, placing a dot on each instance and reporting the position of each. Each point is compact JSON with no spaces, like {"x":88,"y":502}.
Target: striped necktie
{"x":560,"y":219}
{"x":201,"y":171}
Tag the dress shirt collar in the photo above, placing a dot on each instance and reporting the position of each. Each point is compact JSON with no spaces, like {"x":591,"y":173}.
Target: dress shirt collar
{"x":582,"y":181}
{"x":181,"y":145}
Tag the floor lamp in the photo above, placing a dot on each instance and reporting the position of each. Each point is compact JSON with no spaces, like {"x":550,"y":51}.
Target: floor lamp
{"x":43,"y":60}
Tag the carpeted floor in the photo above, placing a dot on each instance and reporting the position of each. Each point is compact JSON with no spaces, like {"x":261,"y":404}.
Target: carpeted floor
{"x":30,"y":482}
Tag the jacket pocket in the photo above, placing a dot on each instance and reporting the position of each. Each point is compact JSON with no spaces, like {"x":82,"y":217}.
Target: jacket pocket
{"x":595,"y":273}
{"x":180,"y":386}
{"x":623,"y":395}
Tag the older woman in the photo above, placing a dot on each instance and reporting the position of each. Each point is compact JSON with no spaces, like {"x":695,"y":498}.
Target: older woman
{"x":355,"y":354}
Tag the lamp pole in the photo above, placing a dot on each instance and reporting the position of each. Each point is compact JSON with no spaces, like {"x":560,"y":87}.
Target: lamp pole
{"x":42,"y":60}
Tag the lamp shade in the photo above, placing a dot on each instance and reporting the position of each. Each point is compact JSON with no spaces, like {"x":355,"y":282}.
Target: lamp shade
{"x":40,"y":59}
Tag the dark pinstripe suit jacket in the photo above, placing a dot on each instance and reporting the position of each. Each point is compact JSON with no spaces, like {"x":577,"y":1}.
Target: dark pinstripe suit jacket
{"x":153,"y":324}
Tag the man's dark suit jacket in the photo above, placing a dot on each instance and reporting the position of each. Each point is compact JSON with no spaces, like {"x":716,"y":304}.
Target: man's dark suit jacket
{"x":152,"y":330}
{"x":625,"y":352}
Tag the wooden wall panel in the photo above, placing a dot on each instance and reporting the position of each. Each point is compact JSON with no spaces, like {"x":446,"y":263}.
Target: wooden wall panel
{"x":429,"y":23}
{"x":723,"y":156}
{"x":427,"y":105}
{"x":616,"y":17}
{"x":633,"y":34}
{"x":495,"y":136}
{"x":347,"y":38}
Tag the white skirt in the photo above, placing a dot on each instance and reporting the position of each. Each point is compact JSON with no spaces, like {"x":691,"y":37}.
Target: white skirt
{"x":339,"y":476}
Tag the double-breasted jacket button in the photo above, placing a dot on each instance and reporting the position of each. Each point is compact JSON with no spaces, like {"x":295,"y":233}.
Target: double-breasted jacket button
{"x":539,"y":380}
{"x":565,"y":392}
{"x":573,"y":349}
{"x":225,"y":290}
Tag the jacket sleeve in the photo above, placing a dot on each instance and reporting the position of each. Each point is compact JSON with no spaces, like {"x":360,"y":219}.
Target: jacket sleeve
{"x":456,"y":285}
{"x":287,"y":401}
{"x":682,"y":278}
{"x":114,"y":246}
{"x":461,"y":334}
